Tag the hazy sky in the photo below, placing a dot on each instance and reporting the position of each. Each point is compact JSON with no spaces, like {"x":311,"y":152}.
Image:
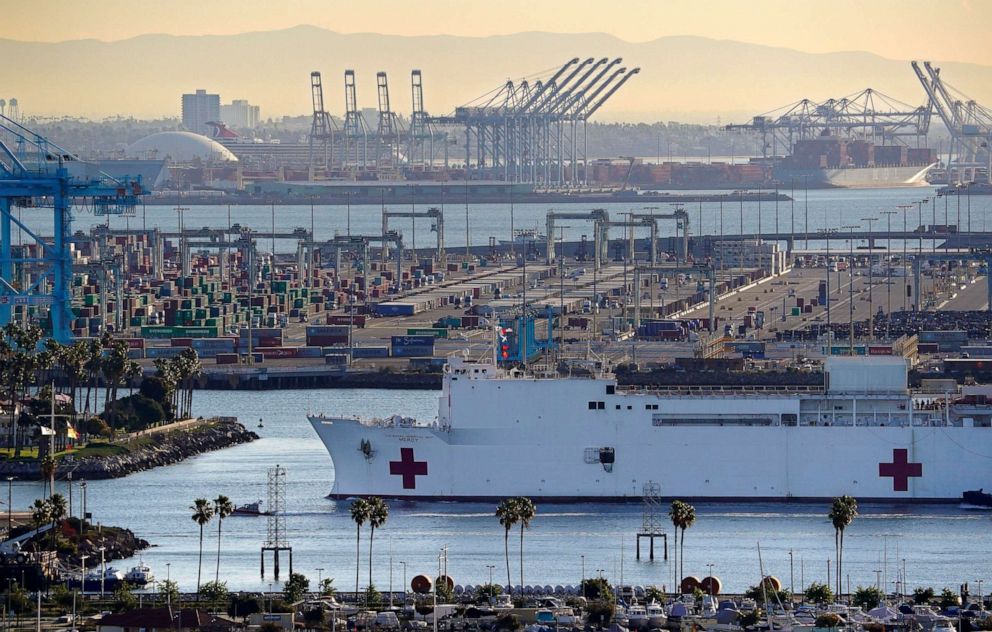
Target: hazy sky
{"x":951,"y":30}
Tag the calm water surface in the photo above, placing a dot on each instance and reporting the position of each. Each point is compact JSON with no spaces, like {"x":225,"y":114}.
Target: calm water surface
{"x":942,"y":546}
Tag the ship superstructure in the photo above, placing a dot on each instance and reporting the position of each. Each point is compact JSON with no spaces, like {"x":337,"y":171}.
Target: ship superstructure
{"x":504,"y":433}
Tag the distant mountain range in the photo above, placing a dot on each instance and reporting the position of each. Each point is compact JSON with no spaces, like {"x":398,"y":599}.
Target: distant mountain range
{"x":684,"y":78}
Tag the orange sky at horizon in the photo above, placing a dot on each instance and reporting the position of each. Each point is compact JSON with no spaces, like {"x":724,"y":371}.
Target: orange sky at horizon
{"x":950,"y":30}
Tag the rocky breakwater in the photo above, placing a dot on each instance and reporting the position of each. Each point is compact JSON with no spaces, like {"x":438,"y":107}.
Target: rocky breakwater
{"x":160,"y":446}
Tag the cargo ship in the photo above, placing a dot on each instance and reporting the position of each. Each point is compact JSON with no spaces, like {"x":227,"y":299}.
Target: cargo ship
{"x":501,"y":433}
{"x":829,"y":161}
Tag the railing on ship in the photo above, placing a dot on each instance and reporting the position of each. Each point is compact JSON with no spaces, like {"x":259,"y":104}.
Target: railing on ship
{"x":716,"y":389}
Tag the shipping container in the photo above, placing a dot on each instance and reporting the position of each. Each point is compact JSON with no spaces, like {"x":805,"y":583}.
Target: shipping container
{"x":370,"y":352}
{"x":274,"y":353}
{"x":437,"y":332}
{"x":163,"y":352}
{"x":413,"y":351}
{"x":412,"y":341}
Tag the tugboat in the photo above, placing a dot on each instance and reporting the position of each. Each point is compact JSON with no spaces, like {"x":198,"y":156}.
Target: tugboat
{"x":979,"y":499}
{"x":251,"y":509}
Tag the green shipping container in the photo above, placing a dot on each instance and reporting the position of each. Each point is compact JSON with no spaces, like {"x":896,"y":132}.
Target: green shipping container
{"x":437,"y":332}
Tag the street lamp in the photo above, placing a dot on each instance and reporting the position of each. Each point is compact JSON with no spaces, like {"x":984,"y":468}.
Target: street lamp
{"x":490,"y":567}
{"x":711,"y":582}
{"x":888,"y":271}
{"x":827,"y":232}
{"x":320,"y":574}
{"x":403,"y":564}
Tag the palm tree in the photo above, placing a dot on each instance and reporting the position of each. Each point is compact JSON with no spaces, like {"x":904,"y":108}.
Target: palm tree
{"x":58,"y":510}
{"x":675,"y":512}
{"x":223,"y":507}
{"x":203,"y":511}
{"x":378,"y":512}
{"x":526,"y":511}
{"x":506,"y":511}
{"x":683,"y":516}
{"x":843,"y":511}
{"x":40,"y":515}
{"x":359,"y":513}
{"x":688,"y":518}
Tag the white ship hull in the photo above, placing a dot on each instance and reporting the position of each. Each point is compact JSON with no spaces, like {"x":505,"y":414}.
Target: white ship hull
{"x":496,"y":438}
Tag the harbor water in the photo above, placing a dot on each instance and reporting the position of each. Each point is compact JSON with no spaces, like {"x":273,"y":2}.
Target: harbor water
{"x":937,"y":545}
{"x":825,"y":208}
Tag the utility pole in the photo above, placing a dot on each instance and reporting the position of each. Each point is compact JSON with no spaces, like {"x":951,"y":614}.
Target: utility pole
{"x":850,"y":287}
{"x":888,"y":272}
{"x":827,"y":232}
{"x":871,"y":305}
{"x":905,"y":241}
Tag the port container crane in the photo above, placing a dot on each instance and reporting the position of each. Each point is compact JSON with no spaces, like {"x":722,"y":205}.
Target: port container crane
{"x":35,"y":174}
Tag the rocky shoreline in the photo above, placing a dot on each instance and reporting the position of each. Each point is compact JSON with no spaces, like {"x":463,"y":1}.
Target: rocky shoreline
{"x":165,"y":448}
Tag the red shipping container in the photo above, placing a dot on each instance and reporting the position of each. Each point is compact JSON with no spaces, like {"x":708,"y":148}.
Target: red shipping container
{"x":182,"y":342}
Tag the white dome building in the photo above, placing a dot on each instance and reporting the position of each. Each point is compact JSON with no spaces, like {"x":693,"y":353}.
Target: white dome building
{"x":180,"y":147}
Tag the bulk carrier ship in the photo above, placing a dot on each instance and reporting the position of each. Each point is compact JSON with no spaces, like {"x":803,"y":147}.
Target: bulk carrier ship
{"x":501,"y":433}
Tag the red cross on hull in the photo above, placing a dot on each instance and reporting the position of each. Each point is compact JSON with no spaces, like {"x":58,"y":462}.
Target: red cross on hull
{"x":408,"y":468}
{"x":900,"y":469}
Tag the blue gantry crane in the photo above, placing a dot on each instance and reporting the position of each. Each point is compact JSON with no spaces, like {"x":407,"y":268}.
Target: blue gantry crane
{"x":39,"y":176}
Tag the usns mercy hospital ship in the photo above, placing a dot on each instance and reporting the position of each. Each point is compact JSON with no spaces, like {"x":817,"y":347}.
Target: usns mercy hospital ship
{"x":502,"y":433}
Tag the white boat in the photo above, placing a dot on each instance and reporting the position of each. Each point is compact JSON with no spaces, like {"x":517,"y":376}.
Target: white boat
{"x":502,"y":433}
{"x":139,"y":575}
{"x":637,"y":616}
{"x":656,"y":614}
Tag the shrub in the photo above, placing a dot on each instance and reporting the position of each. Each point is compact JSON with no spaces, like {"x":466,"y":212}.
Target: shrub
{"x":867,"y":597}
{"x":923,"y":595}
{"x":133,"y":413}
{"x":596,"y":588}
{"x":819,"y":593}
{"x":373,"y":598}
{"x":828,"y":620}
{"x":949,"y":598}
{"x":485,"y":592}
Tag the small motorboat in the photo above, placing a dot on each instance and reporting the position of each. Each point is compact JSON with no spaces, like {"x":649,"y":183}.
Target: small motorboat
{"x":251,"y":509}
{"x":976,"y":499}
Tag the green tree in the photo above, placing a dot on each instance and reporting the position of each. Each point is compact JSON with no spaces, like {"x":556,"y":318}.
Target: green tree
{"x":506,"y":512}
{"x":767,"y":592}
{"x":214,"y":593}
{"x":169,"y":589}
{"x":596,"y":588}
{"x":296,"y":587}
{"x":243,"y":605}
{"x":948,"y":599}
{"x":327,"y":588}
{"x":203,"y":511}
{"x":843,"y":511}
{"x":819,"y":593}
{"x":485,"y":592}
{"x":223,"y":507}
{"x":653,"y":593}
{"x":124,"y":599}
{"x":867,"y":597}
{"x":359,"y":514}
{"x":923,"y":595}
{"x":62,"y":596}
{"x":525,"y":510}
{"x":378,"y":513}
{"x":373,"y":598}
{"x":19,"y":601}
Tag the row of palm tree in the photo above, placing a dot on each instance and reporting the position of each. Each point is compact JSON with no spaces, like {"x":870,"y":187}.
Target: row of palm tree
{"x":203,"y":512}
{"x":511,"y":512}
{"x":178,"y":374}
{"x":843,"y":511}
{"x":25,"y":362}
{"x":683,"y":516}
{"x":375,"y":511}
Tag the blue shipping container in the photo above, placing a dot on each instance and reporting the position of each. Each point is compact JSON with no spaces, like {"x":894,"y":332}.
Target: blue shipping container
{"x":370,"y":352}
{"x":413,"y":352}
{"x":413,"y":341}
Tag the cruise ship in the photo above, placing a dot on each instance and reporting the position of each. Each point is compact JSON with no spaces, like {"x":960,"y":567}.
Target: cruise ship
{"x":501,"y":433}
